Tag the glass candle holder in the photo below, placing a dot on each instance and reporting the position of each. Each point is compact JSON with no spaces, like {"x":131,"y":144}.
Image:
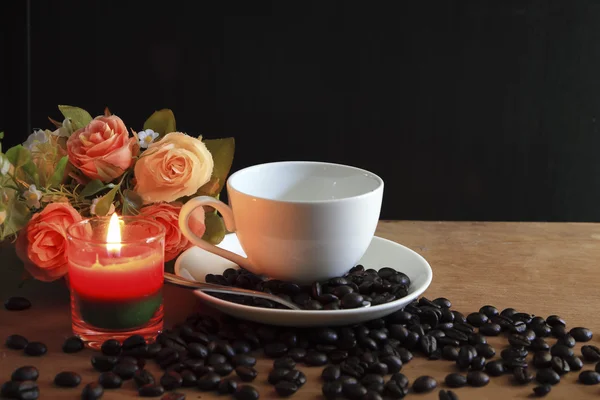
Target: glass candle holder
{"x":116,"y":272}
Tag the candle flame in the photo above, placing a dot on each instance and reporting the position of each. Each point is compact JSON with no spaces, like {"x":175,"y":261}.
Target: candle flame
{"x":113,"y":235}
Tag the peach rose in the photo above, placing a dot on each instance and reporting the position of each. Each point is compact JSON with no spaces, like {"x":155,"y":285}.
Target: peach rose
{"x":103,"y":149}
{"x":174,"y":167}
{"x":168,"y":215}
{"x":41,"y":244}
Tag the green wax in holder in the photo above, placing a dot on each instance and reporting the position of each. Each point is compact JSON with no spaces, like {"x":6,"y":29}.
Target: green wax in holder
{"x":117,"y":315}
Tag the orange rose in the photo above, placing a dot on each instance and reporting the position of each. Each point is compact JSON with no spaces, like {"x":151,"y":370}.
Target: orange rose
{"x":168,"y":215}
{"x":174,"y":167}
{"x":42,"y":243}
{"x":103,"y":149}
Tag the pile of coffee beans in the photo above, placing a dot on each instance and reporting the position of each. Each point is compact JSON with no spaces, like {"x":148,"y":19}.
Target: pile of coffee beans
{"x":362,"y":362}
{"x":360,"y":287}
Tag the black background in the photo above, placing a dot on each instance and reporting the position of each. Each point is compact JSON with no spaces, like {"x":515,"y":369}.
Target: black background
{"x":469,"y":110}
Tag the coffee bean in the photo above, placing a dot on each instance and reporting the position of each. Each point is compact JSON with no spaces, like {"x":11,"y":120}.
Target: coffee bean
{"x":352,"y":300}
{"x":240,"y":346}
{"x":277,"y":375}
{"x":464,"y":328}
{"x":315,"y":358}
{"x":522,"y":376}
{"x":151,"y":390}
{"x":477,"y":319}
{"x":508,"y":312}
{"x":126,"y":370}
{"x":16,"y":342}
{"x":67,"y":379}
{"x":477,"y":338}
{"x":424,"y":384}
{"x":35,"y":349}
{"x":285,"y":389}
{"x":296,"y":377}
{"x":227,"y":386}
{"x":92,"y":391}
{"x":490,"y":329}
{"x":17,"y":304}
{"x":447,"y":395}
{"x":378,"y":368}
{"x":393,"y":390}
{"x":542,"y":359}
{"x":171,"y":380}
{"x":560,"y":350}
{"x":428,"y":345}
{"x":541,"y":390}
{"x":331,"y":373}
{"x":196,"y":350}
{"x":542,"y":330}
{"x":111,"y":347}
{"x":489,"y":311}
{"x":188,"y":378}
{"x":142,"y":377}
{"x":517,"y":327}
{"x":297,"y":354}
{"x":455,"y":380}
{"x":559,"y":331}
{"x":26,"y":373}
{"x":275,"y":350}
{"x":590,"y":353}
{"x":73,"y":345}
{"x":223,"y":369}
{"x":560,"y":365}
{"x":352,"y":369}
{"x":567,"y":340}
{"x":589,"y":378}
{"x":581,"y":334}
{"x":547,"y":375}
{"x":494,"y":368}
{"x":209,"y":381}
{"x":244,"y":360}
{"x":133,"y":341}
{"x":478,"y":363}
{"x":246,"y":373}
{"x":485,"y":350}
{"x":103,"y":363}
{"x":575,"y":363}
{"x":555,"y":320}
{"x":26,"y":390}
{"x":246,"y":392}
{"x":394,"y":363}
{"x":465,"y":356}
{"x":539,"y":344}
{"x":110,"y":380}
{"x":450,"y":353}
{"x":517,"y":340}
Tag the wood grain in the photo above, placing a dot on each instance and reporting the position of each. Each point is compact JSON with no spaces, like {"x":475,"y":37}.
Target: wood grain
{"x":540,"y":268}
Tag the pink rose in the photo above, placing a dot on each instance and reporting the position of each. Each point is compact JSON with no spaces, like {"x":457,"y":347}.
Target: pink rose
{"x":103,"y":149}
{"x":42,"y":243}
{"x":168,"y":215}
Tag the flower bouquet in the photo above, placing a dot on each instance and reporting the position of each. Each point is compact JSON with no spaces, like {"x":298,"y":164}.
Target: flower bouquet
{"x":95,"y":167}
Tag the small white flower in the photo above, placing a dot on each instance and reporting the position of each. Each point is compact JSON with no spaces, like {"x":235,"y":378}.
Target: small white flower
{"x":36,"y":138}
{"x":111,"y":210}
{"x":32,"y":197}
{"x":65,"y":130}
{"x":5,"y":165}
{"x":146,"y":137}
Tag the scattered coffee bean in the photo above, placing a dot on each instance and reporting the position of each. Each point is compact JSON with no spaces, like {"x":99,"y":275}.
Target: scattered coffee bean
{"x":26,"y":373}
{"x":517,"y":340}
{"x":67,"y":379}
{"x":227,"y":386}
{"x":590,"y":353}
{"x":246,"y":392}
{"x":589,"y":377}
{"x":491,"y":329}
{"x":17,"y":304}
{"x":559,"y":331}
{"x":478,"y":363}
{"x":26,"y":390}
{"x":494,"y":368}
{"x":447,"y":395}
{"x":103,"y":363}
{"x":485,"y":350}
{"x":541,"y":390}
{"x":560,"y":350}
{"x":547,"y":375}
{"x":92,"y":391}
{"x":16,"y":342}
{"x":110,"y":380}
{"x":171,"y":380}
{"x":567,"y":340}
{"x":465,"y":357}
{"x":142,"y":377}
{"x":244,"y":360}
{"x":581,"y":334}
{"x":151,"y":390}
{"x":245,"y":373}
{"x":560,"y":365}
{"x":542,"y":359}
{"x":73,"y":345}
{"x":331,"y":373}
{"x":315,"y":358}
{"x":188,"y":378}
{"x":575,"y":363}
{"x":456,"y":380}
{"x":209,"y":381}
{"x":285,"y":389}
{"x":522,"y":376}
{"x":477,"y":378}
{"x":424,"y":384}
{"x":35,"y":349}
{"x":125,"y":370}
{"x":111,"y":347}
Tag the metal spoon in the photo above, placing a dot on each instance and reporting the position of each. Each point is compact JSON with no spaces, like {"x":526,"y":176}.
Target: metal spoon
{"x":210,"y":287}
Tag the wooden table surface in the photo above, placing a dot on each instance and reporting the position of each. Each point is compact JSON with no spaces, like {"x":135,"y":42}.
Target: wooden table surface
{"x":540,"y":268}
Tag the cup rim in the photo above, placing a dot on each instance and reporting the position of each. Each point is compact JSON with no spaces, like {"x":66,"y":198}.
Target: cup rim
{"x":150,"y":239}
{"x":379,"y":187}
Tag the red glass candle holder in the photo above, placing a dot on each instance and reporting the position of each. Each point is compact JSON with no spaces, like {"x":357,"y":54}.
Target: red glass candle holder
{"x":116,"y":286}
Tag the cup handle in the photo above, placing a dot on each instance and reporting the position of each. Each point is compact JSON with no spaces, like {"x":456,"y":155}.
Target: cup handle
{"x":227,"y":214}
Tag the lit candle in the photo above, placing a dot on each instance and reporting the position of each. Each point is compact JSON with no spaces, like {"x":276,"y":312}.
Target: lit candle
{"x":116,"y":272}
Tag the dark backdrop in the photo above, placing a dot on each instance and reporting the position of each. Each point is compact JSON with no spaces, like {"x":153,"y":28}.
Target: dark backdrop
{"x":475,"y":110}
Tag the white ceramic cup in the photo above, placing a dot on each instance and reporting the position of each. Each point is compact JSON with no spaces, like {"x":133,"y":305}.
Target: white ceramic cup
{"x":296,"y":221}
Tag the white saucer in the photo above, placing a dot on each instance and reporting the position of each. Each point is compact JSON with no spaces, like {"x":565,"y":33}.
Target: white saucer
{"x":195,"y":263}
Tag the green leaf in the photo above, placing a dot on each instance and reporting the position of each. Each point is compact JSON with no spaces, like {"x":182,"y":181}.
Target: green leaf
{"x":92,"y":188}
{"x":103,"y":205}
{"x":215,"y":228}
{"x":59,"y":174}
{"x":162,"y":122}
{"x":78,"y":116}
{"x":17,"y":216}
{"x":20,"y":158}
{"x":132,"y":202}
{"x":222,"y":151}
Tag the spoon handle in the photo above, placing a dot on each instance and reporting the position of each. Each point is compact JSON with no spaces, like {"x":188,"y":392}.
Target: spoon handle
{"x":212,"y":288}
